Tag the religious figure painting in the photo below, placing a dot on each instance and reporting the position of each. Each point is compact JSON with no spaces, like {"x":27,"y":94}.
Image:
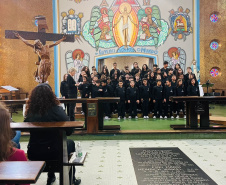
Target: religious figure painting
{"x":98,"y":31}
{"x":153,"y":30}
{"x":77,"y":59}
{"x":180,"y":23}
{"x":175,"y":56}
{"x":71,"y":23}
{"x":125,"y":25}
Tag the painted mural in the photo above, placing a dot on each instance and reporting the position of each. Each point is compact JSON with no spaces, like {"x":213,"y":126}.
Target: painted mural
{"x":125,"y":25}
{"x":71,"y":23}
{"x":180,"y":23}
{"x":77,"y":59}
{"x":175,"y":56}
{"x":119,"y":27}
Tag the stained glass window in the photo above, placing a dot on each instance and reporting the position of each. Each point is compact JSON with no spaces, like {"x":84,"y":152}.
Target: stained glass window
{"x":214,"y":45}
{"x":214,"y":18}
{"x":214,"y":72}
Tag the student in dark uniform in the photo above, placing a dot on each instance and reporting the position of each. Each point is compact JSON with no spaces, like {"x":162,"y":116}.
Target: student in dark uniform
{"x":189,"y":72}
{"x":125,"y":71}
{"x":177,"y":66}
{"x":114,"y":81}
{"x":158,"y":98}
{"x":115,"y":70}
{"x":144,"y":71}
{"x":132,"y":95}
{"x":170,"y":74}
{"x":180,"y":91}
{"x":111,"y":90}
{"x":135,"y":69}
{"x":120,"y":91}
{"x":165,"y":67}
{"x":64,"y":92}
{"x":96,"y":90}
{"x":155,"y":66}
{"x":105,"y":72}
{"x":152,"y":82}
{"x":106,"y":93}
{"x":174,"y":81}
{"x":145,"y":96}
{"x":193,"y":90}
{"x":164,"y":78}
{"x":72,"y":92}
{"x":168,"y":91}
{"x":84,"y":87}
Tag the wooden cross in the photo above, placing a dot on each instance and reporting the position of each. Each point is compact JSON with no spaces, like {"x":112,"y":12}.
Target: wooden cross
{"x":41,"y":34}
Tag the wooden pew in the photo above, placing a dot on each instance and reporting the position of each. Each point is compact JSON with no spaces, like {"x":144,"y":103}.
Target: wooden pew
{"x":60,"y":165}
{"x":94,"y":120}
{"x":197,"y":105}
{"x":20,"y":172}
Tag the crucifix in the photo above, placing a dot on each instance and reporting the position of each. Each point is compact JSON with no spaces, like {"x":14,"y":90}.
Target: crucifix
{"x":39,"y":46}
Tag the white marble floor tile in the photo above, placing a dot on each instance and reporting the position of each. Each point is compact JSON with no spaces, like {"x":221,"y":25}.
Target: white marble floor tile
{"x":109,"y":161}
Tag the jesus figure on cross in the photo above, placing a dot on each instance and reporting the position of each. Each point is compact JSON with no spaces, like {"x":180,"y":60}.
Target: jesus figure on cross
{"x":44,"y":66}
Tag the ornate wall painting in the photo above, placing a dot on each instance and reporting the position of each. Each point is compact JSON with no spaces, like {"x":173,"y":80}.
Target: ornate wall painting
{"x":77,"y":59}
{"x":98,"y":31}
{"x":180,"y":23}
{"x":146,"y":2}
{"x":153,"y":29}
{"x":175,"y":56}
{"x":125,"y":25}
{"x":71,"y":23}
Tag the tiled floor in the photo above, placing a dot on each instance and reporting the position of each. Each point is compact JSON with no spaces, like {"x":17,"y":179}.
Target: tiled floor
{"x":109,"y":161}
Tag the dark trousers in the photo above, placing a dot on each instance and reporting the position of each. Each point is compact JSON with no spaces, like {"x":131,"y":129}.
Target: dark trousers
{"x":145,"y":107}
{"x":66,"y":105}
{"x":72,"y":107}
{"x":70,"y":149}
{"x":151,"y":105}
{"x":158,"y":107}
{"x":121,"y":109}
{"x":107,"y":109}
{"x":133,"y":108}
{"x":180,"y":105}
{"x":168,"y":105}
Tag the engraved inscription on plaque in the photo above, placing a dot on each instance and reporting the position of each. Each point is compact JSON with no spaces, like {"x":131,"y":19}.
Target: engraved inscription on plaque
{"x":166,"y":166}
{"x":92,"y":109}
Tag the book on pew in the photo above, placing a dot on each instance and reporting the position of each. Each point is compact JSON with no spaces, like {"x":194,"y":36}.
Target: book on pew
{"x":79,"y":160}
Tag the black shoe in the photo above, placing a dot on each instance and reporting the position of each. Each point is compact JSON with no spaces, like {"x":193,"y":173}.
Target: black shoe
{"x":77,"y":181}
{"x":50,"y":180}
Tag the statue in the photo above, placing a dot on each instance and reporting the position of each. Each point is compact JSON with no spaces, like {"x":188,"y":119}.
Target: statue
{"x":44,"y":66}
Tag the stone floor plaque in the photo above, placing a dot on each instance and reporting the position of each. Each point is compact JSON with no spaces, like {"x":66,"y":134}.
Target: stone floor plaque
{"x":157,"y":166}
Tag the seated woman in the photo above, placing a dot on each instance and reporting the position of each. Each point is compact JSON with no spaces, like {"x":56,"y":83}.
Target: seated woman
{"x":7,"y":150}
{"x":43,"y":106}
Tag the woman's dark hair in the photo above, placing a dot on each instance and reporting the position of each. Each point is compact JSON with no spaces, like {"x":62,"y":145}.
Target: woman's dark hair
{"x":146,"y":67}
{"x":179,"y":80}
{"x":87,"y":72}
{"x":41,"y":100}
{"x":64,"y":78}
{"x":107,"y":72}
{"x":176,"y":65}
